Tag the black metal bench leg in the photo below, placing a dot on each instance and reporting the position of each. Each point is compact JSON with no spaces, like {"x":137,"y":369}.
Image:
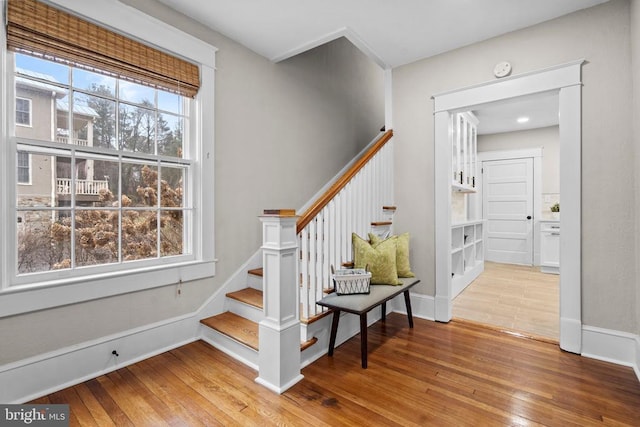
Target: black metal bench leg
{"x":363,"y":339}
{"x":407,"y":303}
{"x":384,"y":311}
{"x":334,"y":331}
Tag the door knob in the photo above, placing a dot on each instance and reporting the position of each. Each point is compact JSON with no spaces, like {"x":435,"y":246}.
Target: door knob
{"x":528,"y":216}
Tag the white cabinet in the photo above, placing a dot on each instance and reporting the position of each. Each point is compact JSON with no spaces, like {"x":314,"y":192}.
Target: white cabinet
{"x":467,"y":254}
{"x":464,"y":148}
{"x":550,"y":247}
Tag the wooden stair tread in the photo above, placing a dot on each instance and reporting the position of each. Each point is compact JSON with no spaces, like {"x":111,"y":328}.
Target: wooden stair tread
{"x":257,"y":272}
{"x":380,"y":223}
{"x":305,"y":345}
{"x":315,"y":318}
{"x":240,"y":329}
{"x":248,"y":296}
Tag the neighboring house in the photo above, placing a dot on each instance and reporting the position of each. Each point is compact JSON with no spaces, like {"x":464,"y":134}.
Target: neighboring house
{"x":42,"y":112}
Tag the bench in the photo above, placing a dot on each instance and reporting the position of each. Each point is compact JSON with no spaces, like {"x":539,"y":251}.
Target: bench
{"x":361,"y":304}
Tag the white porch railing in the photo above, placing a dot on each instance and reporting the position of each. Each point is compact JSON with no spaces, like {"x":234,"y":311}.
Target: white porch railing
{"x":74,"y":141}
{"x":324,"y":239}
{"x":83,"y":186}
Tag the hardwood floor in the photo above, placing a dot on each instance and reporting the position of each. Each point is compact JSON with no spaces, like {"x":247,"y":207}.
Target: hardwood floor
{"x":514,"y":297}
{"x":435,"y":374}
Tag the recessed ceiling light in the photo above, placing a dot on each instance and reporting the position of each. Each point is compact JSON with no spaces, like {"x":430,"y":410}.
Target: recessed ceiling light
{"x":523,"y":119}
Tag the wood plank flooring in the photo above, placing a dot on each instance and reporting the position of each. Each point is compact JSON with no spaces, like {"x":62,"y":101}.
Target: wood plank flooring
{"x":437,"y":374}
{"x":514,"y":297}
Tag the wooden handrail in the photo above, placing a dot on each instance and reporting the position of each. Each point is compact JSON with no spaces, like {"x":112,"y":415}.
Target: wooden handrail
{"x":324,"y":200}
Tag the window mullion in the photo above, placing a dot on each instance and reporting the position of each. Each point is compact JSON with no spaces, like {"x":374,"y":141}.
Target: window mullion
{"x":72,"y":174}
{"x":120,"y":210}
{"x":158,"y":208}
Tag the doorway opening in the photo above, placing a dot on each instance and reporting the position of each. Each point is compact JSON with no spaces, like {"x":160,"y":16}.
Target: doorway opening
{"x":518,"y":183}
{"x":566,"y":80}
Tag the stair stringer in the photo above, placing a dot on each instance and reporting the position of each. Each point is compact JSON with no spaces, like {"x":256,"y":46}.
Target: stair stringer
{"x":217,"y":303}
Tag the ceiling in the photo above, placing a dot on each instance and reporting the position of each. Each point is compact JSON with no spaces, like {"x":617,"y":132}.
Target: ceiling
{"x":541,"y":109}
{"x":391,"y":32}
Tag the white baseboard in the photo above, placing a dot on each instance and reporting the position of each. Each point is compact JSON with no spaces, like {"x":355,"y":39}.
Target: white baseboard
{"x":571,"y":332}
{"x":621,"y":348}
{"x":38,"y":376}
{"x":422,"y":306}
{"x":636,"y":367}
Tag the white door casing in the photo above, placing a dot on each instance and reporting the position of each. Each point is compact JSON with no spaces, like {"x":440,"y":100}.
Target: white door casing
{"x":567,"y":79}
{"x":508,"y":210}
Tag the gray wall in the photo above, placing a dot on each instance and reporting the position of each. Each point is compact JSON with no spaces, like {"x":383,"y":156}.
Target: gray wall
{"x":601,"y":35}
{"x":635,"y":69}
{"x":548,"y":138}
{"x":282,"y":131}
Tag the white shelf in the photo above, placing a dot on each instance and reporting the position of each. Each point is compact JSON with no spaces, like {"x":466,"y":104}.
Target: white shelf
{"x":467,"y":254}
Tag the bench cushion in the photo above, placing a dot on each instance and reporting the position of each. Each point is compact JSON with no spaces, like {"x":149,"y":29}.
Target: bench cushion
{"x":363,"y":303}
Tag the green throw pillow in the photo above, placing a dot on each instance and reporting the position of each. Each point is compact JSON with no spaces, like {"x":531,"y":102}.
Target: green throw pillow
{"x":381,"y":260}
{"x":402,"y":252}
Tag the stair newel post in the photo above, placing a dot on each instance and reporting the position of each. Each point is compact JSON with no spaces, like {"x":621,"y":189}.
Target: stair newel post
{"x":279,"y":332}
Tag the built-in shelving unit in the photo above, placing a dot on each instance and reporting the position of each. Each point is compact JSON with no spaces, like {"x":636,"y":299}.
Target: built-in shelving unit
{"x":464,"y":148}
{"x":467,"y":254}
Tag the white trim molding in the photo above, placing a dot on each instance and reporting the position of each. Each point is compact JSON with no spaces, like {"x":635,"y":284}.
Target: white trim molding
{"x":50,"y":372}
{"x":636,"y":366}
{"x":422,"y":306}
{"x":26,"y":293}
{"x":621,"y":348}
{"x":565,"y":78}
{"x":345,"y":32}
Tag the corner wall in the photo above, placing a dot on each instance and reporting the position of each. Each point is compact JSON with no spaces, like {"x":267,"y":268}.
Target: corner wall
{"x":601,"y":35}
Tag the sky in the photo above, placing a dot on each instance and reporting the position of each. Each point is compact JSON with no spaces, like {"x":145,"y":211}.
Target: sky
{"x":130,"y":92}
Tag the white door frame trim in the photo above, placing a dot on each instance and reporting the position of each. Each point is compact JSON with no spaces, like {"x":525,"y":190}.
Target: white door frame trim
{"x":536,"y":155}
{"x":567,"y":79}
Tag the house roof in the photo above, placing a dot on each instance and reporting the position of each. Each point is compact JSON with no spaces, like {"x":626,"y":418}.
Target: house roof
{"x":27,"y":83}
{"x":60,"y":92}
{"x":391,"y":32}
{"x":84,"y":110}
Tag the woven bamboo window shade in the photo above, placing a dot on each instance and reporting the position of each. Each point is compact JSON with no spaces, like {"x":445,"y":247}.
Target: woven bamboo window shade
{"x":41,"y":30}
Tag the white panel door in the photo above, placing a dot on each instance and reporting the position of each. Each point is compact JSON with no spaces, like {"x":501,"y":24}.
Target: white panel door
{"x":507,"y":206}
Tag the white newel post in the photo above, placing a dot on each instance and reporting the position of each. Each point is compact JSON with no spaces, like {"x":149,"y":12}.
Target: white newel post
{"x":279,"y":332}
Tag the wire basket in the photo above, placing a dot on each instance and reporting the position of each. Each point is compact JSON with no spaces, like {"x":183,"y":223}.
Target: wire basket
{"x":351,"y":281}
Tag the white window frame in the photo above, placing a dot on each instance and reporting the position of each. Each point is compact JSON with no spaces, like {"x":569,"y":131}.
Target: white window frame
{"x":18,"y":295}
{"x":28,"y":182}
{"x":30,"y":111}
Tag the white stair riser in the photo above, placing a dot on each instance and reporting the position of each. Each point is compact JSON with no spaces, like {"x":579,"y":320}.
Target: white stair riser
{"x":254,"y":281}
{"x":247,"y":311}
{"x":228,"y":345}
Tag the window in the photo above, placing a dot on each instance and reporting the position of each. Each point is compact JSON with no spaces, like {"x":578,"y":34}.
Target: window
{"x":24,"y":168}
{"x":23,"y":111}
{"x":115,"y":179}
{"x":117,"y":164}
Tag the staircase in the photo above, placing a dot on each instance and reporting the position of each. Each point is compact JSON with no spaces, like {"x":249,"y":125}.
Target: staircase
{"x":350,"y":203}
{"x":237,"y":328}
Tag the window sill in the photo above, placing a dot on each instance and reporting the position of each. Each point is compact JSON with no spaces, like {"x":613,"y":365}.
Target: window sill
{"x":26,"y":298}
